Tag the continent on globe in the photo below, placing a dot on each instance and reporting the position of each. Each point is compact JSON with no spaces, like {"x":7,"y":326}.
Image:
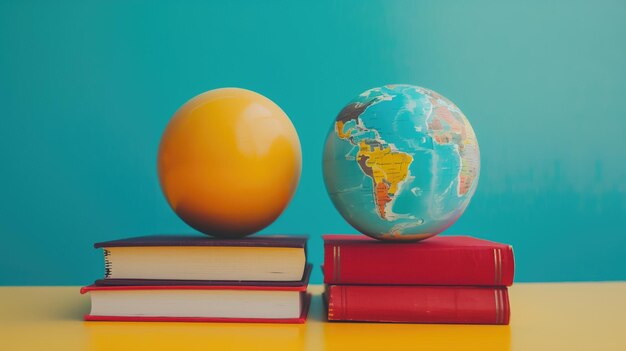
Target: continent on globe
{"x":387,"y":170}
{"x":418,"y":153}
{"x":448,"y":128}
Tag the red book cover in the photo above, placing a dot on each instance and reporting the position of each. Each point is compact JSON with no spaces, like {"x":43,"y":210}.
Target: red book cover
{"x":442,"y":260}
{"x":418,"y":304}
{"x":304,"y":303}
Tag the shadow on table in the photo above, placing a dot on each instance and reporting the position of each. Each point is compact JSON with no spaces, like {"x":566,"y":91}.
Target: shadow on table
{"x":109,"y":336}
{"x":386,"y":336}
{"x":62,"y":303}
{"x":73,"y":309}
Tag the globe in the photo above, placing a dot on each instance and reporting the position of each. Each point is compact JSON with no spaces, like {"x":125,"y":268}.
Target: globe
{"x":229,"y":162}
{"x":401,"y":162}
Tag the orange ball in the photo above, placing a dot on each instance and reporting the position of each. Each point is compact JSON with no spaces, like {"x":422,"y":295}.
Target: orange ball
{"x":229,"y":162}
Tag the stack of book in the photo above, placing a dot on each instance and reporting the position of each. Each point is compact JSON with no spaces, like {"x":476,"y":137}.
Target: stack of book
{"x":199,"y":278}
{"x":445,"y":279}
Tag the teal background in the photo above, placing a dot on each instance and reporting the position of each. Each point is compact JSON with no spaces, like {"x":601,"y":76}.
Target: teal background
{"x":87,"y":87}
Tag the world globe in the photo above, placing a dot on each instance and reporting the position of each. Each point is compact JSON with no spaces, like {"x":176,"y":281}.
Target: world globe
{"x":401,"y":162}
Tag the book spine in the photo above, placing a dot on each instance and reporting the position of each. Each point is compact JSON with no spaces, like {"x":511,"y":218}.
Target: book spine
{"x":107,"y":263}
{"x":418,"y":304}
{"x":391,"y":265}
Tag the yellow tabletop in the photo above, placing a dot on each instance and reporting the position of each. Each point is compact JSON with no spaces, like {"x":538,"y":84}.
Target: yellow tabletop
{"x":555,"y":316}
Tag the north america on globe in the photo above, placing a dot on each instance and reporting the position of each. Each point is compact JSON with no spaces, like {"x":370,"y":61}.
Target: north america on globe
{"x":401,"y":162}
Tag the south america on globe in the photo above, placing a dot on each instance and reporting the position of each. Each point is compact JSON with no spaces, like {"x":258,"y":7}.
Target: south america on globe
{"x":401,"y":162}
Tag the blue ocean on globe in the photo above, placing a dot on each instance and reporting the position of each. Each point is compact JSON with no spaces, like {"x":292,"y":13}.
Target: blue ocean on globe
{"x":401,"y":162}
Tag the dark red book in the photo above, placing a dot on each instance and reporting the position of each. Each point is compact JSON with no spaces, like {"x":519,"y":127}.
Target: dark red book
{"x":418,"y":304}
{"x":295,"y":241}
{"x":200,"y":259}
{"x":152,"y":282}
{"x":239,"y":303}
{"x":442,"y":260}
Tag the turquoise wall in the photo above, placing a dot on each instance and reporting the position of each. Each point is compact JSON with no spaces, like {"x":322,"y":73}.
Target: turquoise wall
{"x":87,"y":87}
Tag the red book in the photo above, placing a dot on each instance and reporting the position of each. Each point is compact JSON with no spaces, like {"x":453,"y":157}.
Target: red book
{"x":208,"y":303}
{"x":442,"y":260}
{"x":418,"y":304}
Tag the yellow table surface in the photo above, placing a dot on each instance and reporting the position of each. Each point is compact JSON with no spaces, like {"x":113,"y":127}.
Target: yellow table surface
{"x":555,"y":316}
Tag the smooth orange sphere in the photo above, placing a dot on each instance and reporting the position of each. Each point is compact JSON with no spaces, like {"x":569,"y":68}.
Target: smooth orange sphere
{"x":229,"y":162}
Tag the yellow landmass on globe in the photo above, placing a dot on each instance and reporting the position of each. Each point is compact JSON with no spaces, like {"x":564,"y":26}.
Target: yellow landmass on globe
{"x":387,"y":169}
{"x":340,"y":132}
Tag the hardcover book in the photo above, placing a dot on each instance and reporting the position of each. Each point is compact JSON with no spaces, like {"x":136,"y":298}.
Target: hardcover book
{"x":418,"y":304}
{"x":151,"y":260}
{"x":152,"y":282}
{"x":442,"y":260}
{"x":271,"y":302}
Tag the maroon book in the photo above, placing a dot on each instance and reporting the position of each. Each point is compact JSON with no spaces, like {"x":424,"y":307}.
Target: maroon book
{"x":442,"y":260}
{"x":173,"y":282}
{"x":418,"y":304}
{"x":204,"y":240}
